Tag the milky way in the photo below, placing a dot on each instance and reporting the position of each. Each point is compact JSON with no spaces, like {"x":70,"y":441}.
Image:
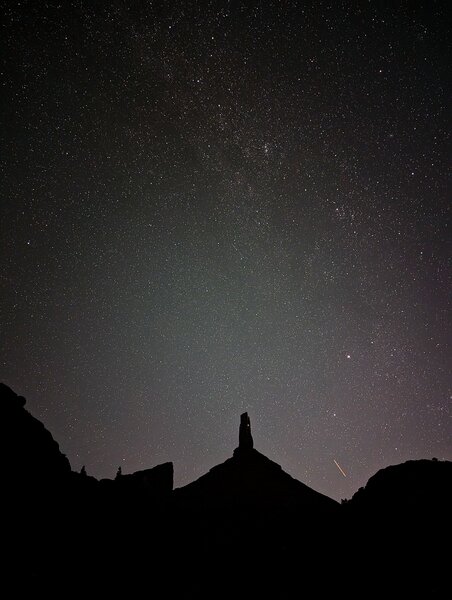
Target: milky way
{"x":216,"y":207}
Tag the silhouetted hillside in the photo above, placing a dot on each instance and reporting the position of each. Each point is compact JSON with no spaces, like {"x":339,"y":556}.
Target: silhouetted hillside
{"x":251,"y":479}
{"x":245,"y":529}
{"x":59,"y":521}
{"x":248,"y":508}
{"x":416,"y":485}
{"x":32,"y":452}
{"x":250,"y":490}
{"x":400,"y":525}
{"x":35,"y":459}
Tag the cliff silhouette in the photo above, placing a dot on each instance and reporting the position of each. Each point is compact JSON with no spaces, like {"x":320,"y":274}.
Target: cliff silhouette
{"x":245,"y":529}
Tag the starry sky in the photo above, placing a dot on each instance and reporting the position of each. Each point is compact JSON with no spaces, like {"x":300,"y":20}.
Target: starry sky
{"x":213,"y":207}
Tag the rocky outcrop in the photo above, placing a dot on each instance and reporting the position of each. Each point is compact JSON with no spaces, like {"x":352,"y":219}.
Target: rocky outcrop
{"x":245,"y":437}
{"x":244,"y":529}
{"x":154,"y":482}
{"x":32,"y":458}
{"x":415,"y":485}
{"x":252,"y":479}
{"x":34,"y":467}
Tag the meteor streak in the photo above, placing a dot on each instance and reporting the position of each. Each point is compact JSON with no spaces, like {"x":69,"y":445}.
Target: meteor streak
{"x":339,"y":467}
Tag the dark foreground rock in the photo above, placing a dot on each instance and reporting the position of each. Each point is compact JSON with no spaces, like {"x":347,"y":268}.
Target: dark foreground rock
{"x":246,"y":529}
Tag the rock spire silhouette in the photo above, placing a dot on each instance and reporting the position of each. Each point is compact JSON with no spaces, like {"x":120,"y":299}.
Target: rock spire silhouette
{"x":245,"y":437}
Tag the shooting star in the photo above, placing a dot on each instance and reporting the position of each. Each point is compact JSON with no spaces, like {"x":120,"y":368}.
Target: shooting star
{"x":339,"y":467}
{"x":238,"y":252}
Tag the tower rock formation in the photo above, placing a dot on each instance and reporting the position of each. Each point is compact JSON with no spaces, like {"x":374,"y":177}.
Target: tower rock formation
{"x":245,"y":437}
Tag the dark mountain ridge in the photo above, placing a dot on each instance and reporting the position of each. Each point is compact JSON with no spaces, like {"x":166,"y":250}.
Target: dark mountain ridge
{"x":250,"y":478}
{"x":245,"y":511}
{"x":411,"y":485}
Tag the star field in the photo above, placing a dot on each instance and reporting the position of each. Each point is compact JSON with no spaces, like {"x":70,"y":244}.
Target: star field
{"x":216,"y":207}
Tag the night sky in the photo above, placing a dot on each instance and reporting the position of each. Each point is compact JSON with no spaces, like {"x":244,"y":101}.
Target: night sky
{"x":213,"y":207}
